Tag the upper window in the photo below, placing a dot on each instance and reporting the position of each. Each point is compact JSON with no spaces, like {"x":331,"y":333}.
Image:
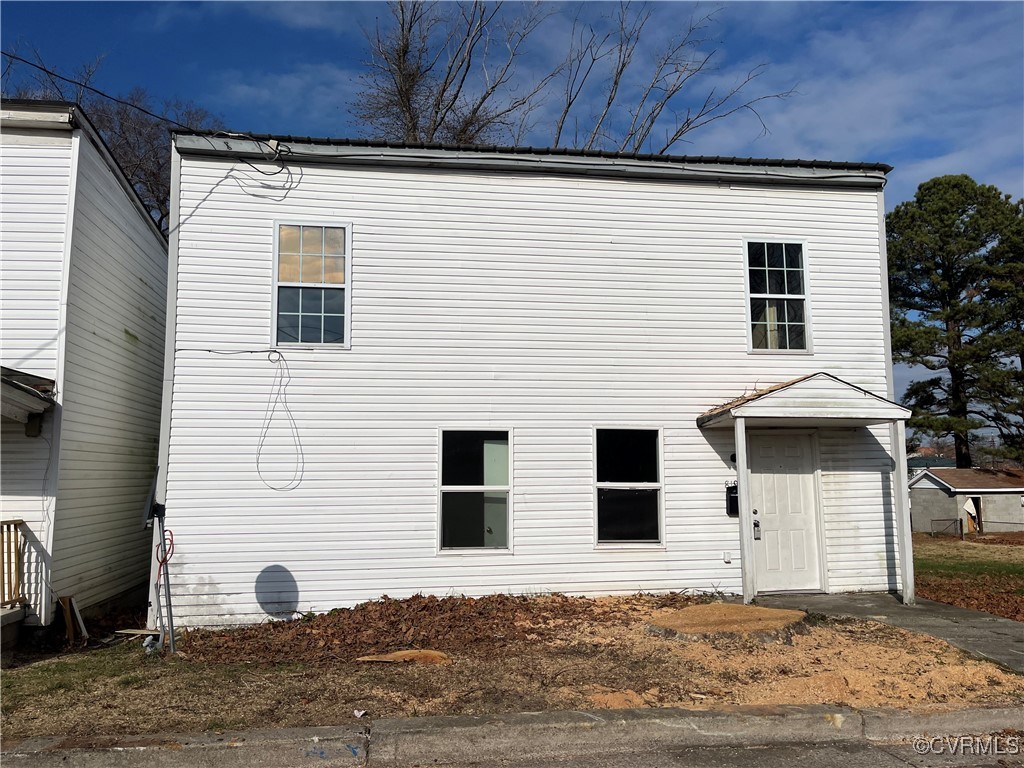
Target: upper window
{"x":777,"y":295}
{"x":474,"y":489}
{"x":311,"y":284}
{"x":628,"y":486}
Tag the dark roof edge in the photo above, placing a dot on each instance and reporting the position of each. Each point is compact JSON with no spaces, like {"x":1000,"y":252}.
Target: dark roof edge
{"x":40,"y":104}
{"x":272,"y":148}
{"x":546,"y":151}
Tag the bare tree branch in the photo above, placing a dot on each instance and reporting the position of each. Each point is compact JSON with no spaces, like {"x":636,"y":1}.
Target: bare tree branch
{"x":578,"y":65}
{"x":136,"y":135}
{"x":628,"y":35}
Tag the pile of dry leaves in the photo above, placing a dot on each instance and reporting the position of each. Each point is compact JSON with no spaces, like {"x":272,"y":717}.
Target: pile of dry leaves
{"x":452,"y":624}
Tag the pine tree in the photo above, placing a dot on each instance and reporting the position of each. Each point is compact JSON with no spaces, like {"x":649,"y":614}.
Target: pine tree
{"x":956,"y":275}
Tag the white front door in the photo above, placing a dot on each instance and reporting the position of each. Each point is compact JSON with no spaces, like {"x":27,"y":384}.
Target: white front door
{"x":784,"y":509}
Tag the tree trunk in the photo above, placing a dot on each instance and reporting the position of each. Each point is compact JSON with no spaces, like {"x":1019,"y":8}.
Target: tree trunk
{"x":958,"y":399}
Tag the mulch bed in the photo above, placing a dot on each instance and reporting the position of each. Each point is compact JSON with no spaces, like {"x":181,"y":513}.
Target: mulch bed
{"x":1014,"y":539}
{"x":452,"y":624}
{"x":998,"y":595}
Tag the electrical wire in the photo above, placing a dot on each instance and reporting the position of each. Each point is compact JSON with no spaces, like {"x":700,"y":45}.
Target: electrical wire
{"x":167,"y":546}
{"x":279,"y":397}
{"x":97,"y":91}
{"x":276,"y":151}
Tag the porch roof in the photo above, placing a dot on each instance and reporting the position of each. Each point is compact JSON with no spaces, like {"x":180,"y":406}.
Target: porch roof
{"x":813,"y":400}
{"x":22,"y":394}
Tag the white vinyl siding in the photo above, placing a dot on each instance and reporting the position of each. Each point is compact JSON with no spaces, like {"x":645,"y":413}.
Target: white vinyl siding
{"x":551,"y":305}
{"x":111,"y":389}
{"x":860,"y":523}
{"x":35,"y":182}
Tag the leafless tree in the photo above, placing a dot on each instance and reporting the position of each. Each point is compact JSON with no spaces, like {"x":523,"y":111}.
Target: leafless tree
{"x":139,"y":142}
{"x":454,"y":73}
{"x":445,"y":72}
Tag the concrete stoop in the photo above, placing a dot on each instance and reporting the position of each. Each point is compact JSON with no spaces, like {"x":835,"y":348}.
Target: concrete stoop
{"x":10,"y":622}
{"x":521,"y":738}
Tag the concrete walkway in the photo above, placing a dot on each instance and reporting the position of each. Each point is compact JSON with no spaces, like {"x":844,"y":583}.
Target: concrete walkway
{"x":982,"y":635}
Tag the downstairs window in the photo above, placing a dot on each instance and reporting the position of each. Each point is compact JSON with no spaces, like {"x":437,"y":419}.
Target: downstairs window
{"x":474,"y":489}
{"x":628,"y":486}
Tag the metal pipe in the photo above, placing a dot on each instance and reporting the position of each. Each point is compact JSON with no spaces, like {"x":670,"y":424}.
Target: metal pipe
{"x":167,"y":585}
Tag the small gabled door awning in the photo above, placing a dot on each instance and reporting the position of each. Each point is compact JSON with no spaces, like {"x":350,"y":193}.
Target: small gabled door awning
{"x":813,"y":400}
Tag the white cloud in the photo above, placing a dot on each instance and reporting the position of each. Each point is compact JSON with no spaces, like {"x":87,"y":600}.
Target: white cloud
{"x":311,"y":99}
{"x":931,"y":88}
{"x":346,"y":19}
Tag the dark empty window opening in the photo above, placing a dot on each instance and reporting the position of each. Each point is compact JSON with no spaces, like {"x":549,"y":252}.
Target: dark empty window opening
{"x":475,"y":489}
{"x":628,"y":486}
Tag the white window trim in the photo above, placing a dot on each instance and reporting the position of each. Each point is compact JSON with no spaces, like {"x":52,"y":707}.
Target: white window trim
{"x":808,"y":319}
{"x":312,"y":222}
{"x":441,"y":489}
{"x":660,"y":486}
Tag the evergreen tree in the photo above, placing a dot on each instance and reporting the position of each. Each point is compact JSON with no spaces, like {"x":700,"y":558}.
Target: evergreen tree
{"x":956,"y":277}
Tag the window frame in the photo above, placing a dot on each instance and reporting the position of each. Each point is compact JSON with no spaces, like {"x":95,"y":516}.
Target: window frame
{"x":659,"y":486}
{"x":441,"y":489}
{"x":805,"y":296}
{"x":276,"y":284}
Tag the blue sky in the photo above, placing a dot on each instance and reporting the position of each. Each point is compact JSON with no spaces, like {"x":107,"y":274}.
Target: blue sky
{"x":928,"y":87}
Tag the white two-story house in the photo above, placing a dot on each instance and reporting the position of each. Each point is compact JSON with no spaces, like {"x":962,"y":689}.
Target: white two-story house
{"x":404,"y":369}
{"x":83,"y":276}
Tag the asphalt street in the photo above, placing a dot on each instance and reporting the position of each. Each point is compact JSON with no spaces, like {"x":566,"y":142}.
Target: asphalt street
{"x":845,"y":755}
{"x":856,"y":754}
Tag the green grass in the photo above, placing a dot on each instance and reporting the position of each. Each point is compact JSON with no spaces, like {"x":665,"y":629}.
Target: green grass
{"x":973,"y":567}
{"x":125,"y":666}
{"x":73,"y":673}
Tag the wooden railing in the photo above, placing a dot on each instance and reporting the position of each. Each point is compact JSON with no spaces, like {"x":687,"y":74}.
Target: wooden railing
{"x":11,"y":563}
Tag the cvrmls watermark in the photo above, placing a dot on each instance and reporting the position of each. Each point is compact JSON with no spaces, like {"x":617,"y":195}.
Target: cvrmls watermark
{"x":968,"y":745}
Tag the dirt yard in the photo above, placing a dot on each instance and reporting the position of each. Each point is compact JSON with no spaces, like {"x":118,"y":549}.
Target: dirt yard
{"x":982,"y":572}
{"x":501,"y":654}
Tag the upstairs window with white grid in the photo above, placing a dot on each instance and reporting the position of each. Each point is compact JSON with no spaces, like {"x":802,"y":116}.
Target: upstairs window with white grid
{"x":778,"y":318}
{"x":312,"y":284}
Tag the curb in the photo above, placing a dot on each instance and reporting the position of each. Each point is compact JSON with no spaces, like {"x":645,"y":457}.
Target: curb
{"x":519,"y":737}
{"x":326,"y":747}
{"x":537,"y":736}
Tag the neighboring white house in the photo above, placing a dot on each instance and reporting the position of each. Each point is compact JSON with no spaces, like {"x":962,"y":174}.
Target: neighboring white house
{"x":402,"y":369}
{"x":83,"y":270}
{"x":969,"y":500}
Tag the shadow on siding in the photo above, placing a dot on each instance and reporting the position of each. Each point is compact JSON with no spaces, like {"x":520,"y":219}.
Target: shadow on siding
{"x":277,"y":592}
